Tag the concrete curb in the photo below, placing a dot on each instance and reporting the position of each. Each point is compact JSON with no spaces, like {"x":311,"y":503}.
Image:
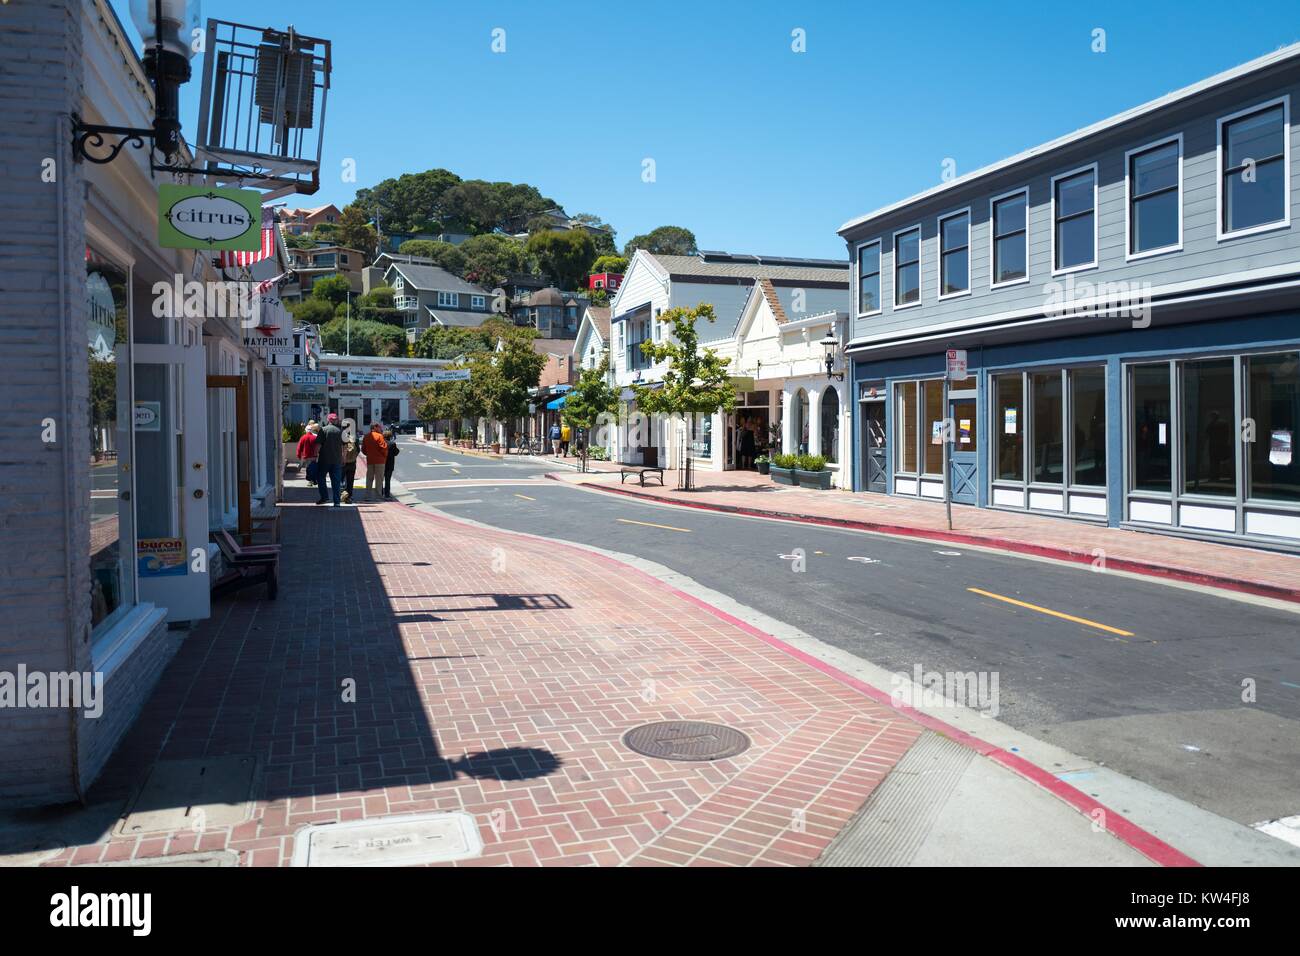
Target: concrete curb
{"x":1208,"y":579}
{"x":1124,"y":830}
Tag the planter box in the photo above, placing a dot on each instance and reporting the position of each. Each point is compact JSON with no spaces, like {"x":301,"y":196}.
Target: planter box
{"x":782,"y":476}
{"x":763,"y":467}
{"x":813,"y":479}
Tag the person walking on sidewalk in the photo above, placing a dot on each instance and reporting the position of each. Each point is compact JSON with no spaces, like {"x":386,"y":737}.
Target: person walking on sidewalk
{"x":329,"y":458}
{"x":390,"y":436}
{"x":565,"y":433}
{"x":307,"y":449}
{"x":350,"y":452}
{"x":555,"y":438}
{"x":375,"y":449}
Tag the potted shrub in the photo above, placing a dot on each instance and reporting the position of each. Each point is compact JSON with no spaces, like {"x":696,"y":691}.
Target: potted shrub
{"x":289,"y":436}
{"x":762,"y":463}
{"x":810,"y":472}
{"x":782,"y":469}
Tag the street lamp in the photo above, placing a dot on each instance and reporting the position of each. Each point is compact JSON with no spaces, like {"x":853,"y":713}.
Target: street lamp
{"x":830,"y":344}
{"x":167,"y":28}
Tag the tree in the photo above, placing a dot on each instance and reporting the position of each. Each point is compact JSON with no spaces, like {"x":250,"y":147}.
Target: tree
{"x":450,"y":342}
{"x":614,"y":264}
{"x":666,"y":240}
{"x":332,"y":289}
{"x":363,"y":338}
{"x":446,"y":401}
{"x":312,"y":311}
{"x":502,"y":377}
{"x":492,"y":257}
{"x":603,"y":237}
{"x":444,"y":254}
{"x":695,"y":381}
{"x":473,"y":205}
{"x":565,"y":256}
{"x":409,"y":202}
{"x":375,"y":306}
{"x":356,"y":232}
{"x":591,"y":400}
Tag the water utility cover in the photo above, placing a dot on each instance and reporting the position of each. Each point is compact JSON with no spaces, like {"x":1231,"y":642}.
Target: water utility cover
{"x":686,"y":740}
{"x":389,"y":841}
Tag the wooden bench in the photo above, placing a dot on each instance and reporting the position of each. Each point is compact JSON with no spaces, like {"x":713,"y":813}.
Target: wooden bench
{"x":640,"y":471}
{"x":266,"y":519}
{"x":248,"y":565}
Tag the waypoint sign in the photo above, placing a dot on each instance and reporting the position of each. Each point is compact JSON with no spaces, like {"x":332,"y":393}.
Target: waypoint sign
{"x":208,"y":217}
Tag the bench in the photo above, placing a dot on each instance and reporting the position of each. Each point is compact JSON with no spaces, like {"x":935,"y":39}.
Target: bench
{"x":266,"y":518}
{"x":640,"y":472}
{"x":249,"y":565}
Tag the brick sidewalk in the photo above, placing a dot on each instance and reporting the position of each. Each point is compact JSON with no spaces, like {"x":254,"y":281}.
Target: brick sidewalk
{"x":496,"y":674}
{"x":1267,"y":572}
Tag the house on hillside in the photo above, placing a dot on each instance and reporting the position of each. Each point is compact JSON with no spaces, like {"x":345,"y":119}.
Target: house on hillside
{"x":430,"y":295}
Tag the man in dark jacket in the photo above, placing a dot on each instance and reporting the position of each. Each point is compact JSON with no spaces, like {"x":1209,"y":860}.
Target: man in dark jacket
{"x":329,"y":458}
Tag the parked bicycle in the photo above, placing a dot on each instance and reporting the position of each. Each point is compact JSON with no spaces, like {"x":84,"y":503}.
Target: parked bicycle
{"x":526,"y":446}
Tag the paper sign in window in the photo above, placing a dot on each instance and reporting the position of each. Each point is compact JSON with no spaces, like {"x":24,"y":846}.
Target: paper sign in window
{"x":1279,"y":448}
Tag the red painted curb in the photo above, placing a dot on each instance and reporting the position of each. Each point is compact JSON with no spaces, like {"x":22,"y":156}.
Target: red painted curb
{"x":1124,"y":830}
{"x":1275,"y":591}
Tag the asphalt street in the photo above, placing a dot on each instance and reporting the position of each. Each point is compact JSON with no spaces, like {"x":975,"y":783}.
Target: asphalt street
{"x":1141,"y":676}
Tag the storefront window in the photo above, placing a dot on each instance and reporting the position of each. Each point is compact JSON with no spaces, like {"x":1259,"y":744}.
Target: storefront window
{"x":1274,"y":405}
{"x":1149,"y":428}
{"x":1047,"y":439}
{"x":1088,"y":407}
{"x":801,"y":423}
{"x":831,"y":425}
{"x":905,"y":403}
{"x":1209,"y":465}
{"x":112,"y":548}
{"x":1009,"y":421}
{"x":702,"y":436}
{"x":934,"y":434}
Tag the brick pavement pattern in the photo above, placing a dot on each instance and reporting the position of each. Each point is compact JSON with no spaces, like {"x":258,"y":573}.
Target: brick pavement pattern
{"x":1086,"y":541}
{"x":496,"y":674}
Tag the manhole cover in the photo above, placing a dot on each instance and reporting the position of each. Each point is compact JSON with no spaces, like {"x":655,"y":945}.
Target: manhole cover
{"x":686,"y":740}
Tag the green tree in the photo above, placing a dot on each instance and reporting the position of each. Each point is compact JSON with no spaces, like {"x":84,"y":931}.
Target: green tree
{"x":615,"y":264}
{"x":604,"y":237}
{"x":591,"y":403}
{"x":565,"y":256}
{"x":312,"y":311}
{"x":666,"y":240}
{"x":450,"y":257}
{"x":409,"y":202}
{"x":490,"y":258}
{"x":695,"y":381}
{"x":356,"y":232}
{"x":446,"y":401}
{"x":450,"y":342}
{"x":502,"y":376}
{"x":472,"y":206}
{"x":332,"y":289}
{"x":366,"y":338}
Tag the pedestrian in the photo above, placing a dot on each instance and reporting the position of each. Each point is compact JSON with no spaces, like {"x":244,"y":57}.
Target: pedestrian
{"x":307,"y":450}
{"x":390,"y":436}
{"x":555,"y":438}
{"x":329,"y":458}
{"x":375,"y":449}
{"x":350,"y":452}
{"x":565,"y":434}
{"x":746,"y":446}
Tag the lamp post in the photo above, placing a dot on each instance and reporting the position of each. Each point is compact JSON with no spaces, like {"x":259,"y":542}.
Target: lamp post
{"x":166,"y":27}
{"x":830,"y":344}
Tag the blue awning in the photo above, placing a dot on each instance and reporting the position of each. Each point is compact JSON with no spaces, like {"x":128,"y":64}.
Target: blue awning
{"x":558,"y":402}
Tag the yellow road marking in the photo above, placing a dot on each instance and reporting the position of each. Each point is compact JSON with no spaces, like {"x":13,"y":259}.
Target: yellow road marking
{"x":525,"y":497}
{"x":666,"y":527}
{"x":455,"y":471}
{"x":1043,"y":610}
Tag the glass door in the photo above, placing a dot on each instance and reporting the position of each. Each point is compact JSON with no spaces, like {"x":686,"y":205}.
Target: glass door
{"x":965,"y":448}
{"x":171,"y":479}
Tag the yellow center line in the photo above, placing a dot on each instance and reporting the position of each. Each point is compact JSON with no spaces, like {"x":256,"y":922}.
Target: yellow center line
{"x":648,"y":524}
{"x":1042,"y":610}
{"x":455,"y":471}
{"x":525,"y":497}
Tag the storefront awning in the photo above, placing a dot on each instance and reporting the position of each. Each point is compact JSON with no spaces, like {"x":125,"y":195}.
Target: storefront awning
{"x":557,"y":402}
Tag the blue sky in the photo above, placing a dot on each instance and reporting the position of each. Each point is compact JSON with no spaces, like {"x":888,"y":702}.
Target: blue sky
{"x":757,"y":148}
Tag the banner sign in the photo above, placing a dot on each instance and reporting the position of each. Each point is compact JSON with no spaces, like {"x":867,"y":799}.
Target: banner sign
{"x":209,"y":217}
{"x":160,"y":557}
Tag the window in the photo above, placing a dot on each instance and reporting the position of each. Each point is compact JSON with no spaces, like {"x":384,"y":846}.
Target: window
{"x":1009,"y":222}
{"x":1045,"y":428}
{"x":1209,"y":430}
{"x":448,"y":300}
{"x":831,"y":424}
{"x":1273,"y":389}
{"x":478,"y":302}
{"x":907,"y":267}
{"x":1074,"y":215}
{"x":1155,"y":221}
{"x":1149,"y":428}
{"x":954,"y":254}
{"x":905,"y":403}
{"x":1254,"y":179}
{"x":1088,"y":411}
{"x":869,"y":278}
{"x":343,"y":258}
{"x":1009,"y":420}
{"x":932,"y":395}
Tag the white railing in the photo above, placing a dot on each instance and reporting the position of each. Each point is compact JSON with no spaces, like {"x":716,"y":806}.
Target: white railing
{"x":408,"y":302}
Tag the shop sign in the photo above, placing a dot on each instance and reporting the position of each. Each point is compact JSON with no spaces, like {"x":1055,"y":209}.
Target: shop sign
{"x":148,"y":416}
{"x":160,"y":557}
{"x":742,"y":383}
{"x":280,"y":351}
{"x":209,"y":217}
{"x":1279,"y":448}
{"x":309,"y":386}
{"x":102,"y":311}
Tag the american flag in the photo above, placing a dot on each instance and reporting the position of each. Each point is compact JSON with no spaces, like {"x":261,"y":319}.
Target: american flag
{"x":227,"y":258}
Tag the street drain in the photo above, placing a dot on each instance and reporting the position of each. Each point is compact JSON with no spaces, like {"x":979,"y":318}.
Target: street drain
{"x":686,"y":740}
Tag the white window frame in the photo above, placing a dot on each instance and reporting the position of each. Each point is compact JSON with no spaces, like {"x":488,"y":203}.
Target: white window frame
{"x":449,"y":300}
{"x":857,"y":277}
{"x":920,"y":262}
{"x":1285,"y":222}
{"x":993,"y":265}
{"x":1129,"y":254}
{"x":1096,"y":224}
{"x":938,"y":239}
{"x":478,"y":302}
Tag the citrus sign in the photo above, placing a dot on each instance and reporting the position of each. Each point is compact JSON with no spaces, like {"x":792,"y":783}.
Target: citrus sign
{"x":209,"y":217}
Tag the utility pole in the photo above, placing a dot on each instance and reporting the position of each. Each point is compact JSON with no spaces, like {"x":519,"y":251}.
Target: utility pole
{"x":348,"y":323}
